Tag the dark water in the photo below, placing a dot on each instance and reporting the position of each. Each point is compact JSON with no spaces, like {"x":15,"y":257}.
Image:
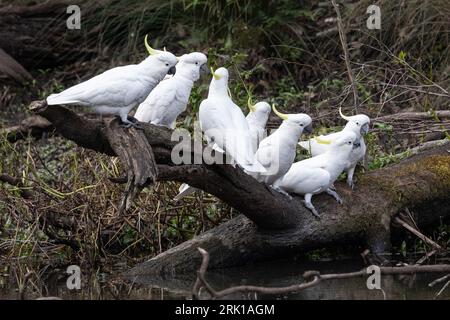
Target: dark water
{"x":279,"y":273}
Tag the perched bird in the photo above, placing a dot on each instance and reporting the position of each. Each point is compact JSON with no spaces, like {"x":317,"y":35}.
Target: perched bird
{"x":170,"y":97}
{"x":225,"y":127}
{"x":257,"y":120}
{"x":317,"y":174}
{"x":277,"y":152}
{"x":118,"y":90}
{"x":359,"y":125}
{"x":224,"y":124}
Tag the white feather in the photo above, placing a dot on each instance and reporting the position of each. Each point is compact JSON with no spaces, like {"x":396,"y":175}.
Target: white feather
{"x":119,"y":89}
{"x":277,"y":152}
{"x":170,"y":97}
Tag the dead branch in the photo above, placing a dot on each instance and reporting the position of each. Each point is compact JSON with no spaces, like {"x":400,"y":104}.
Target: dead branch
{"x":316,"y":277}
{"x":32,"y":126}
{"x":26,"y":194}
{"x":12,"y":68}
{"x":414,"y":116}
{"x":418,"y":233}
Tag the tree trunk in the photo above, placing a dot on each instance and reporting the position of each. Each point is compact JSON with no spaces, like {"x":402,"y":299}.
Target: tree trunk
{"x":271,"y":225}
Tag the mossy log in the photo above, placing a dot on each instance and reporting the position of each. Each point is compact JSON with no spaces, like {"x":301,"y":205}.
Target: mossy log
{"x":270,"y":225}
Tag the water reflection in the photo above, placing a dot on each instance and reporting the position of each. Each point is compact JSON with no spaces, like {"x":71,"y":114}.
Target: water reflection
{"x":100,"y":285}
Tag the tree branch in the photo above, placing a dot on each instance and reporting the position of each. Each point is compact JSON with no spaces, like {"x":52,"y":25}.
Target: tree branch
{"x":274,"y":226}
{"x":317,"y":278}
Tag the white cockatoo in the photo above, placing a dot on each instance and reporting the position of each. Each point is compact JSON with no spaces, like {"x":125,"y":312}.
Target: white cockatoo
{"x":257,"y":119}
{"x":277,"y":152}
{"x":118,"y":90}
{"x":225,"y":128}
{"x":317,"y":174}
{"x":223,"y":123}
{"x":359,"y":125}
{"x":170,"y":97}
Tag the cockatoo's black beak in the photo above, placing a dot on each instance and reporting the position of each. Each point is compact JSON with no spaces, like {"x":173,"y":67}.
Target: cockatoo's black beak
{"x":308,"y":128}
{"x":204,"y":69}
{"x":356,"y":144}
{"x":172,"y":70}
{"x":364,"y":129}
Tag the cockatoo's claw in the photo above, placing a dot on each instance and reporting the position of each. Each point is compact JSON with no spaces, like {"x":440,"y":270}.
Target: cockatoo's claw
{"x":132,"y":119}
{"x":279,"y":190}
{"x":335,"y":195}
{"x":311,"y":208}
{"x":316,"y":214}
{"x":132,"y":124}
{"x":351,"y":184}
{"x":332,"y":187}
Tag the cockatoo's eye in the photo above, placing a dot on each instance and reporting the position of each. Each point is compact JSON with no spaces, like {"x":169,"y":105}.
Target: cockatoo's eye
{"x":167,"y":64}
{"x":357,"y":123}
{"x":349,"y":142}
{"x":196,"y":63}
{"x":301,"y":124}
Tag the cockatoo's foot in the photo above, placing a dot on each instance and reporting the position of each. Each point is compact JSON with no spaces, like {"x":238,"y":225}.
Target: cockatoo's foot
{"x":332,"y":187}
{"x":132,"y":125}
{"x":279,"y":190}
{"x":350,"y":183}
{"x":132,"y":119}
{"x":131,"y":122}
{"x":311,"y":208}
{"x":334,"y":195}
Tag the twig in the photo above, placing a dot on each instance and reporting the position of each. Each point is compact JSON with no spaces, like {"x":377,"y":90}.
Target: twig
{"x":23,"y":285}
{"x":343,"y":39}
{"x":439,"y":280}
{"x":417,"y":233}
{"x":26,"y":194}
{"x":315,"y":275}
{"x":442,"y":289}
{"x":426,"y":256}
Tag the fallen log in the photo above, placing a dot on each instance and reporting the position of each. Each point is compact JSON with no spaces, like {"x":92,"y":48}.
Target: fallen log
{"x":33,"y":126}
{"x":271,"y":225}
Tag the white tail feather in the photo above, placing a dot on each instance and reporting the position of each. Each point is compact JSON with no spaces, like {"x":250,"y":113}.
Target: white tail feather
{"x":184,"y":190}
{"x":304,"y":144}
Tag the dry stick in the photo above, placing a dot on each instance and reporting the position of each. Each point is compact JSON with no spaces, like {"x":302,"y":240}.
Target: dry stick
{"x":426,"y":256}
{"x":417,"y":233}
{"x":315,"y":275}
{"x":439,"y":280}
{"x":442,"y":290}
{"x":26,"y":194}
{"x":343,"y":39}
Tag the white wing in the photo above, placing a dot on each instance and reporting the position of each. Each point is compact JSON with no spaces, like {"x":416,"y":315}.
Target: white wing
{"x":302,"y":180}
{"x":111,"y":85}
{"x":156,"y":108}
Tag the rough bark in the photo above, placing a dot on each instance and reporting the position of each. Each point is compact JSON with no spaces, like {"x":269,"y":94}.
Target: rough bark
{"x":32,"y":126}
{"x":270,"y":224}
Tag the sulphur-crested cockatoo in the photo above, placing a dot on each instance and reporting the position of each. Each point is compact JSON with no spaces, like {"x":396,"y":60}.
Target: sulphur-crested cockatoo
{"x":257,"y":120}
{"x":277,"y":152}
{"x":358,"y":124}
{"x":118,"y":90}
{"x":317,"y":174}
{"x":225,"y":128}
{"x":223,"y":123}
{"x":170,"y":97}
